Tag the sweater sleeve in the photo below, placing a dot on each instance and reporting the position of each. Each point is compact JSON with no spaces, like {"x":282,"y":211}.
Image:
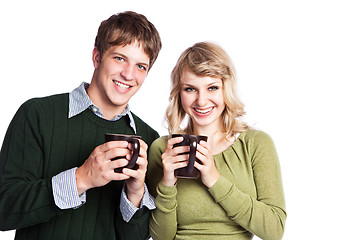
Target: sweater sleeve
{"x":136,"y":228}
{"x":25,"y":193}
{"x":264,"y":215}
{"x":163,"y":220}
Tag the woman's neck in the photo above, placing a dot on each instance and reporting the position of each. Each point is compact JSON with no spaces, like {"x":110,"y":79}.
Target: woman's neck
{"x":217,"y":139}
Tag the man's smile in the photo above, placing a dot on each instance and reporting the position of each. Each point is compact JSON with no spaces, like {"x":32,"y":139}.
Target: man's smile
{"x":121,"y":85}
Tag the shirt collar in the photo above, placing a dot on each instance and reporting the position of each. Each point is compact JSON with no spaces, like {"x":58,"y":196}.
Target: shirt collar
{"x":79,"y":101}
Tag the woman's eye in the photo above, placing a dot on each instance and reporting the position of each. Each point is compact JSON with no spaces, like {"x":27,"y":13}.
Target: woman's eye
{"x":189,"y":89}
{"x":213,"y":88}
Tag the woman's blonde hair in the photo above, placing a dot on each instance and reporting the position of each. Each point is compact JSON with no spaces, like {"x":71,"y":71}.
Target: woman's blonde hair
{"x":205,"y":59}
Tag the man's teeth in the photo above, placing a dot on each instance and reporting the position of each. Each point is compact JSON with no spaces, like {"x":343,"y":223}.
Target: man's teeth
{"x":123,"y":86}
{"x":203,"y":111}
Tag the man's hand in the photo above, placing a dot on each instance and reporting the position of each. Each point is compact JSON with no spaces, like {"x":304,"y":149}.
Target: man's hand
{"x":135,"y":184}
{"x":98,"y":169}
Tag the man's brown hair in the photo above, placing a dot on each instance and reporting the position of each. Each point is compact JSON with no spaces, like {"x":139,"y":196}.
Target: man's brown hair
{"x":126,"y":28}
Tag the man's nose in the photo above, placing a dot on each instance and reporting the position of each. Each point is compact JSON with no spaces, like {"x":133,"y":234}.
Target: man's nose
{"x":128,"y":72}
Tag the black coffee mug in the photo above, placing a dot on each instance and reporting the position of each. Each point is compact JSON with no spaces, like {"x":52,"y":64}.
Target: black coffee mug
{"x":189,"y":140}
{"x":134,"y":140}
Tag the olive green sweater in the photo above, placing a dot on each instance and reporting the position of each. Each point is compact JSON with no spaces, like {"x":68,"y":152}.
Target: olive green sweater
{"x":41,"y":142}
{"x":247,"y":199}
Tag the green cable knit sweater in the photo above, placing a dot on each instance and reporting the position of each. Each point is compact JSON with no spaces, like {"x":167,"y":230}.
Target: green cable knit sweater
{"x":247,"y":199}
{"x":41,"y":142}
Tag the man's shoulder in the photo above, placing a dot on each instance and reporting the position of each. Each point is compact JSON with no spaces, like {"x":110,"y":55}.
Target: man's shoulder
{"x":52,"y":99}
{"x":141,"y":123}
{"x":145,"y":130}
{"x":45,"y":104}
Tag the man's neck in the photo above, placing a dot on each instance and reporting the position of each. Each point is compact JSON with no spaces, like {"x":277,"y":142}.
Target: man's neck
{"x":107,"y":110}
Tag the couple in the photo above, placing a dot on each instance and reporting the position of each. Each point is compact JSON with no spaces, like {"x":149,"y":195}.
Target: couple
{"x":57,"y":180}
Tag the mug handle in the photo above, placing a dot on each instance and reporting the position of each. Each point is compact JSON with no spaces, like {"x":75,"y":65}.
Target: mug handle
{"x":192,"y":155}
{"x":136,"y":150}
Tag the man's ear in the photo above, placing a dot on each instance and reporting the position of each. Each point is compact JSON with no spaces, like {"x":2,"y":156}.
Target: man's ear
{"x":96,"y":57}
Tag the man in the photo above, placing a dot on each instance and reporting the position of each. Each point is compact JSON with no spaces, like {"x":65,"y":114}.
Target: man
{"x":57,"y":180}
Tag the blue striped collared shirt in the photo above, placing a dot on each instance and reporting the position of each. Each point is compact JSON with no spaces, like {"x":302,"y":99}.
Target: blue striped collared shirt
{"x":79,"y":101}
{"x":64,"y":184}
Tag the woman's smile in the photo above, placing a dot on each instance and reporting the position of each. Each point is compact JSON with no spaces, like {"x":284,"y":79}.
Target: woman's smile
{"x":203,"y":111}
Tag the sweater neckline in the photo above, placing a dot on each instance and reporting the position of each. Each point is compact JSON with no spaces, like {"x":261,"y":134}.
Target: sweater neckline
{"x":106,"y":123}
{"x":228,"y":149}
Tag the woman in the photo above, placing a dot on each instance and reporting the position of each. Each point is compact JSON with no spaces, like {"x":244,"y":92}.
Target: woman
{"x":239,"y":192}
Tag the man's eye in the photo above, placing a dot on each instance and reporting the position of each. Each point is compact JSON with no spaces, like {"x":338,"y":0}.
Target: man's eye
{"x":119,"y":59}
{"x":142,"y":67}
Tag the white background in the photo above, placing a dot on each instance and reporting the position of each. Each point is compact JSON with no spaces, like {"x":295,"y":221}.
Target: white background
{"x":298,"y":64}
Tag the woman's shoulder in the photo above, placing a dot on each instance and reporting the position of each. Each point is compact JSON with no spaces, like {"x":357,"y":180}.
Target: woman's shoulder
{"x":160,"y":142}
{"x":255,"y":137}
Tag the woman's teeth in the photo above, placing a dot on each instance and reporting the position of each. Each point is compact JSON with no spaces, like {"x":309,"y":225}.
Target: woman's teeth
{"x":123,"y":86}
{"x":203,"y":111}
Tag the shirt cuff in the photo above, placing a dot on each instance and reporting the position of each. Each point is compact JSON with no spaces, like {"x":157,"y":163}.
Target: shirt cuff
{"x":65,"y":191}
{"x":128,"y":210}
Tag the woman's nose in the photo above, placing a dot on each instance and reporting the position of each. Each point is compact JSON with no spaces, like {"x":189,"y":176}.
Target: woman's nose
{"x":201,"y":99}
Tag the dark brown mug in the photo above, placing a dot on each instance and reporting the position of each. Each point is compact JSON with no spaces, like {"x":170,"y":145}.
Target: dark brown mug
{"x":134,"y":140}
{"x":189,"y":140}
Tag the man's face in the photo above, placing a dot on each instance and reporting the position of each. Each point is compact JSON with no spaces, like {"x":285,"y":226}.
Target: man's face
{"x":118,"y":76}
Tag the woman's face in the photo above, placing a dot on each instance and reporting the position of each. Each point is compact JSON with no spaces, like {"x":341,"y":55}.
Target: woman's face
{"x":202,"y":99}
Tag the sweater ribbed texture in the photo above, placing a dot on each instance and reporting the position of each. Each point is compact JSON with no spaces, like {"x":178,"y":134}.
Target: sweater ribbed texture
{"x":40,"y":143}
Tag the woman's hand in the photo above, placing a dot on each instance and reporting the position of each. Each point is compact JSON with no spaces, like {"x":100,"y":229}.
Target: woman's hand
{"x":207,"y":168}
{"x":171,"y":160}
